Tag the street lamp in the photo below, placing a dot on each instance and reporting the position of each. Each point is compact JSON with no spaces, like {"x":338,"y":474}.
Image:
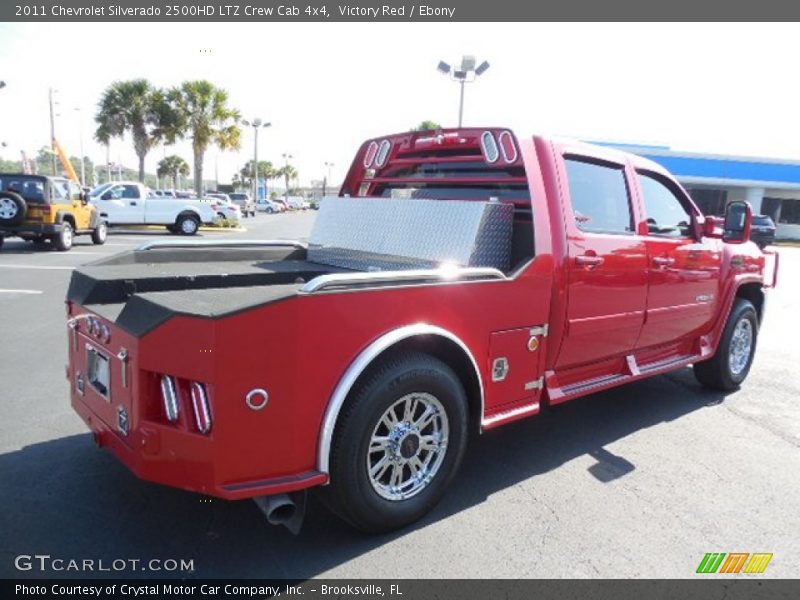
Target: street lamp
{"x":83,"y":162}
{"x":467,"y":72}
{"x":286,"y":158}
{"x":325,"y":179}
{"x":256,"y":123}
{"x":52,"y":129}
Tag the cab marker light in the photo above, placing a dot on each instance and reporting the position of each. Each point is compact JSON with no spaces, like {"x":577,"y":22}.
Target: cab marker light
{"x":383,"y":153}
{"x":489,"y":146}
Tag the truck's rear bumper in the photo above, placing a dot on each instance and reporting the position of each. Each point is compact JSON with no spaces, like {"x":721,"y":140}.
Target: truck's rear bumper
{"x":174,"y":458}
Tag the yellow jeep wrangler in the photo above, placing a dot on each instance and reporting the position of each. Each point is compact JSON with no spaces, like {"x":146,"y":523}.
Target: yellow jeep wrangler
{"x":39,"y":208}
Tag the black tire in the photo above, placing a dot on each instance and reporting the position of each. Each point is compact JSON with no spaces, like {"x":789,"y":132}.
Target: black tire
{"x":12,"y":209}
{"x":719,"y":372}
{"x":351,"y":493}
{"x":187,"y":224}
{"x":64,"y":238}
{"x":172,"y":228}
{"x":100,"y":233}
{"x":40,"y":242}
{"x":2,"y":241}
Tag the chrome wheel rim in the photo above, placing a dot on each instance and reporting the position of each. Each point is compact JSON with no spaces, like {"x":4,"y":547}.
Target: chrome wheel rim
{"x":188,"y":226}
{"x":66,"y":236}
{"x":8,"y":208}
{"x":741,"y":346}
{"x":407,"y":446}
{"x":102,"y":230}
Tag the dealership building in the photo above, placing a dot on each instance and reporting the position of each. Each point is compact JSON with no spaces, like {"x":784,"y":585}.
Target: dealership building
{"x":771,"y":186}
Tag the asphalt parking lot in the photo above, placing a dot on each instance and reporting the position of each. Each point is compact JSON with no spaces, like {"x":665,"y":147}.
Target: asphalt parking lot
{"x":640,"y":481}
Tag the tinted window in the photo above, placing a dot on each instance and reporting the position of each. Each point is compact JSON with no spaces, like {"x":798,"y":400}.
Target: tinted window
{"x":130,"y":191}
{"x":599,"y":197}
{"x":666,"y":214}
{"x":30,"y":188}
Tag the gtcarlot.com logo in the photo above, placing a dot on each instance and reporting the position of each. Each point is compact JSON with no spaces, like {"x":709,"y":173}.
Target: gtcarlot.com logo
{"x":734,"y":562}
{"x":47,"y":563}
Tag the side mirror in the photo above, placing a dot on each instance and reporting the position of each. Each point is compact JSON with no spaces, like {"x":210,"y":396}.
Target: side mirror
{"x":710,"y":225}
{"x":738,"y":221}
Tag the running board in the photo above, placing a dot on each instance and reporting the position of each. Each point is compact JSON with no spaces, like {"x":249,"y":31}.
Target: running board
{"x":634,"y":371}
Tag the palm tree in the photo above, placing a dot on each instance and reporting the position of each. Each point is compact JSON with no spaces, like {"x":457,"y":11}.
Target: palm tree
{"x":288,"y":172}
{"x":134,"y":107}
{"x":203,"y":114}
{"x":172,"y":166}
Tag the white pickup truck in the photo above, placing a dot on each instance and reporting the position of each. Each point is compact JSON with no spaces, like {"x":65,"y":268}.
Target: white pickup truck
{"x":129,"y":203}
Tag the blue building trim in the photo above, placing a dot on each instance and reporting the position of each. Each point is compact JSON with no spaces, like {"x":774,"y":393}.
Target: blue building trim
{"x":732,"y":169}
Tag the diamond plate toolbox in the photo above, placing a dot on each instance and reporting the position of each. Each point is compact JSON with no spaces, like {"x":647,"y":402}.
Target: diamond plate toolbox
{"x":369,"y":234}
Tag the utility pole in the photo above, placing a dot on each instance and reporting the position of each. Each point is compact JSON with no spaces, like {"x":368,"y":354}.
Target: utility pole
{"x":327,"y":176}
{"x":52,"y":131}
{"x":255,"y":124}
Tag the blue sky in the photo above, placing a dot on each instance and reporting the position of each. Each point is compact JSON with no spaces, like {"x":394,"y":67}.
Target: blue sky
{"x":720,"y":88}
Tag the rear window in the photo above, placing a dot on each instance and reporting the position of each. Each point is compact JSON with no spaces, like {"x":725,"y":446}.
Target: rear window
{"x":599,"y":197}
{"x":30,"y":188}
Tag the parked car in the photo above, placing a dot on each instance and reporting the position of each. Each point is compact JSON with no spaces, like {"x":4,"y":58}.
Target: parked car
{"x":270,"y":206}
{"x":245,"y":203}
{"x":42,"y":209}
{"x":763,"y":231}
{"x":297,"y":203}
{"x":128,"y":203}
{"x":224,"y":207}
{"x":425,"y":308}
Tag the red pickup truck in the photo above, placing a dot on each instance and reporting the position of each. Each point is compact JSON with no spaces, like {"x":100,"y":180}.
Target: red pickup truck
{"x":462,"y":279}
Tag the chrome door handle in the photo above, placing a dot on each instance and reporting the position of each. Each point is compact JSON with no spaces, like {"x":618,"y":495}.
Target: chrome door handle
{"x":586,"y":260}
{"x":663,"y":261}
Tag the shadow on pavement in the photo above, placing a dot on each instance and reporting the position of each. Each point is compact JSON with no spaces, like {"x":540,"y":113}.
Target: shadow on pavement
{"x":70,"y":500}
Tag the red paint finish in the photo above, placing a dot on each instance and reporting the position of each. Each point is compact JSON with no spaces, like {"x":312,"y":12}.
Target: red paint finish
{"x":617,"y":307}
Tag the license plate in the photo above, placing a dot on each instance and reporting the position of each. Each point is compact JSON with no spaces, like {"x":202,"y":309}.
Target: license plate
{"x":98,"y":372}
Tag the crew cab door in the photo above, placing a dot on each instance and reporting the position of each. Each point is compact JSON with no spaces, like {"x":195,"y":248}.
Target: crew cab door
{"x":683,"y":268}
{"x":122,"y":205}
{"x":607,"y":261}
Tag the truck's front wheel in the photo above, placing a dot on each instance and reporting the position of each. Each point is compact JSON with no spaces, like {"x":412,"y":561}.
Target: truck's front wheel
{"x":398,"y":443}
{"x":729,"y":366}
{"x":63,"y":239}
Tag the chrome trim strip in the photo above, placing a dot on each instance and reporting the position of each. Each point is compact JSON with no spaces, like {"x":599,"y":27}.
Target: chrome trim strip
{"x":169,"y":397}
{"x":346,"y":280}
{"x":358,"y":366}
{"x":219,"y":244}
{"x":200,"y":402}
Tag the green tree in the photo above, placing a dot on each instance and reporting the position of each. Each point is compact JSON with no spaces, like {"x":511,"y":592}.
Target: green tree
{"x":265,"y":171}
{"x":427,"y":125}
{"x":135,"y":107}
{"x":289,"y":173}
{"x":172,"y":166}
{"x":202,"y":114}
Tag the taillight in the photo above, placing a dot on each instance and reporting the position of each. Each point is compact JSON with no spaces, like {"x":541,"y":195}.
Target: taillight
{"x":369,"y":155}
{"x":202,"y":411}
{"x":170,"y":397}
{"x":507,"y":147}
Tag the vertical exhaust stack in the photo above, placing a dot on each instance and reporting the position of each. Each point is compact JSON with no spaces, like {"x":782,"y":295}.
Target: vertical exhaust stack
{"x":288,"y":510}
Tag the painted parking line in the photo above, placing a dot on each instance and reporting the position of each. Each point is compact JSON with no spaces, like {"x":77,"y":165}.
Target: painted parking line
{"x":20,"y":291}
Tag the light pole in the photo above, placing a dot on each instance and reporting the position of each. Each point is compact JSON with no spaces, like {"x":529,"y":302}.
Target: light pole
{"x":286,"y":158}
{"x":467,"y":72}
{"x":327,"y":176}
{"x":83,"y":161}
{"x":52,"y":130}
{"x":255,"y":125}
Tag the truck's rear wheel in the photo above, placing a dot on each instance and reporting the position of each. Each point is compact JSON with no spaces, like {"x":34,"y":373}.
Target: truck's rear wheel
{"x":729,"y":366}
{"x":399,"y":441}
{"x":187,"y":224}
{"x":63,"y":239}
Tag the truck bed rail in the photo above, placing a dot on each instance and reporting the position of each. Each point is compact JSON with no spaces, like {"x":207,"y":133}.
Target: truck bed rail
{"x":342,"y":281}
{"x":220,"y":244}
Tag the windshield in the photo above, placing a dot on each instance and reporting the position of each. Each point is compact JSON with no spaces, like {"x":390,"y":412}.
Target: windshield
{"x":100,"y":189}
{"x":30,"y":188}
